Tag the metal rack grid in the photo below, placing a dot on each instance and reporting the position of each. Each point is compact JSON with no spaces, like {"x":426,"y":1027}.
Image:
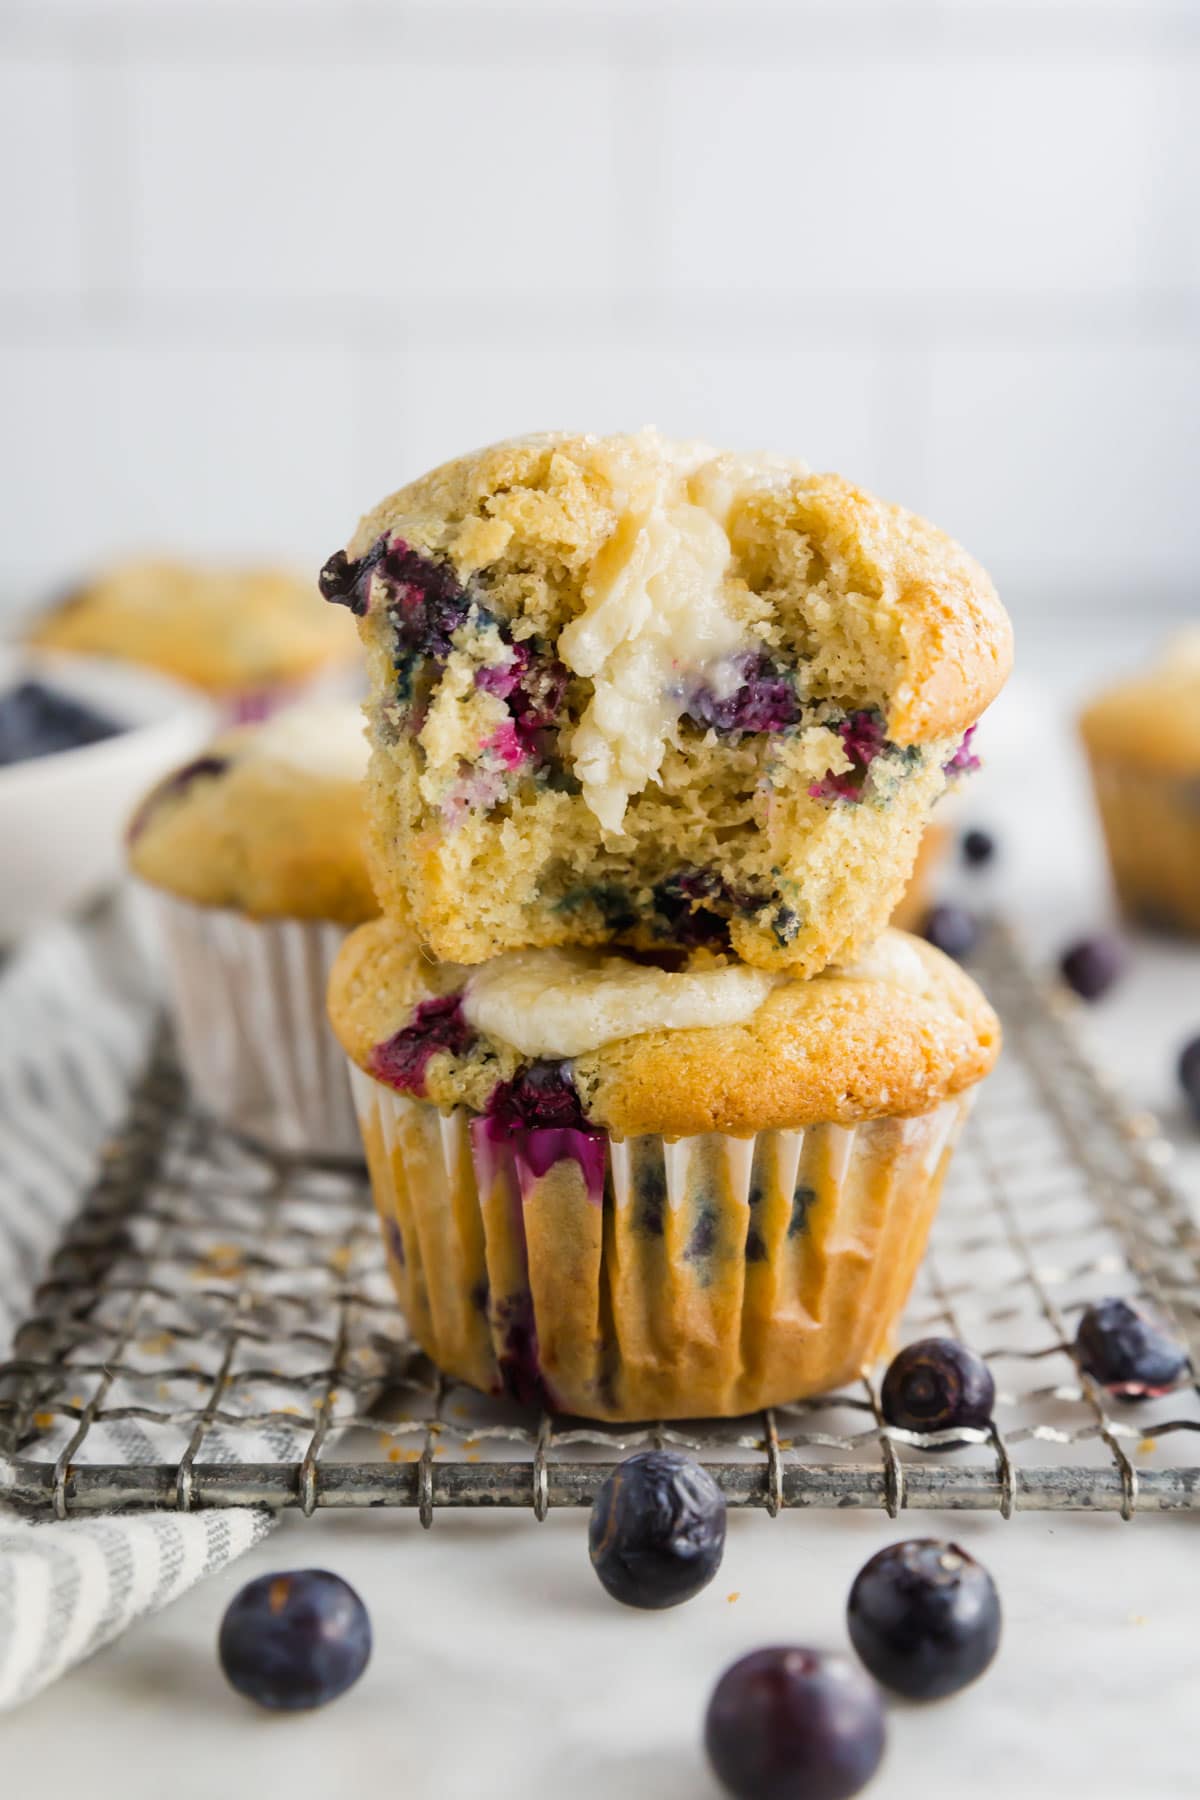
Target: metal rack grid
{"x":217,"y":1328}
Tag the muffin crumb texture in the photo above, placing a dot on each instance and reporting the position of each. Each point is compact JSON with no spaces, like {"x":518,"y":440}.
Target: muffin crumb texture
{"x":628,"y":690}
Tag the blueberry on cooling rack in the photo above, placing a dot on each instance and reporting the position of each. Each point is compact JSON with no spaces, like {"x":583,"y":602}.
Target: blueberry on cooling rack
{"x":924,"y":1617}
{"x":938,"y":1384}
{"x":294,"y":1640}
{"x":657,"y":1531}
{"x":1125,"y":1349}
{"x":951,"y":929}
{"x":1189,"y":1075}
{"x":793,"y":1724}
{"x":1092,"y":966}
{"x":978,"y":847}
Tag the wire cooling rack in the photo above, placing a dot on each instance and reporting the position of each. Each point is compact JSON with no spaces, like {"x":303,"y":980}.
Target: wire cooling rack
{"x":217,"y":1328}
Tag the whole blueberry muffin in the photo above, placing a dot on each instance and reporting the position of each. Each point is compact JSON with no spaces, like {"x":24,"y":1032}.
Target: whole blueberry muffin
{"x":247,"y":637}
{"x":624,"y":689}
{"x":634,"y":1189}
{"x":254,"y":856}
{"x":1142,"y":738}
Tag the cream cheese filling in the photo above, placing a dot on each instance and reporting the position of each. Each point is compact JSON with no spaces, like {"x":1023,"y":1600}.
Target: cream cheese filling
{"x":324,"y":738}
{"x":658,"y":618}
{"x":564,"y":1003}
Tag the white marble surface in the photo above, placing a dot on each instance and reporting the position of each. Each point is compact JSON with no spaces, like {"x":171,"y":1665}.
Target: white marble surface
{"x":500,"y":1666}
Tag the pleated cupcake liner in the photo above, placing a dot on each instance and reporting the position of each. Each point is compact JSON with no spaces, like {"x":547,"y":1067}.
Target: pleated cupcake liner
{"x":1152,"y":831}
{"x":248,"y":998}
{"x":645,"y":1279}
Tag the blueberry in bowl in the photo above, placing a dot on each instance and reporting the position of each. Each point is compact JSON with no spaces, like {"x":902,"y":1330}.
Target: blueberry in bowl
{"x":657,"y":1531}
{"x":1125,"y":1348}
{"x":81,"y":740}
{"x":924,"y":1617}
{"x":788,"y":1723}
{"x":37,"y":720}
{"x":294,"y":1640}
{"x":938,"y":1384}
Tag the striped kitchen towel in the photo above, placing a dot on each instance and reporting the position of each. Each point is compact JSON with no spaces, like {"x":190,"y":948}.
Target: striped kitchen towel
{"x":77,"y":1007}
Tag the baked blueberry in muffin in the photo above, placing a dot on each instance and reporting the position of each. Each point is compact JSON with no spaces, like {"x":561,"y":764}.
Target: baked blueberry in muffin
{"x":623,"y":687}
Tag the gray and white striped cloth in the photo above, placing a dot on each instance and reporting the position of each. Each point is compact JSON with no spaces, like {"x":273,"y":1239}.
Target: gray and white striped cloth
{"x":76,"y":1010}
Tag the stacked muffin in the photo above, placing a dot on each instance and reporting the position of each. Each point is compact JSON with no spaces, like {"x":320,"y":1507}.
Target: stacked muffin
{"x":656,"y":1110}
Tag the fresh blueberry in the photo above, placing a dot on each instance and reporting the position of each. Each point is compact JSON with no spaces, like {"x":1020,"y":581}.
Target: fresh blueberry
{"x":978,"y":848}
{"x":925,"y":1618}
{"x":952,"y":929}
{"x":294,"y":1640}
{"x":657,"y":1532}
{"x":1189,"y":1074}
{"x":794,"y":1724}
{"x":37,"y":721}
{"x":938,"y":1384}
{"x":1092,"y":965}
{"x":1127,"y":1351}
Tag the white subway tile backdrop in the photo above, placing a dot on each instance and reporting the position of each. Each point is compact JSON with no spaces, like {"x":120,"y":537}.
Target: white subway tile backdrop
{"x":265,"y":259}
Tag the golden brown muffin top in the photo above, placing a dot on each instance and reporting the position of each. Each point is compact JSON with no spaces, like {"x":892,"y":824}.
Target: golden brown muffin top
{"x":269,"y":820}
{"x":896,"y":1034}
{"x":1153,"y":719}
{"x":882,"y":608}
{"x":224,"y":630}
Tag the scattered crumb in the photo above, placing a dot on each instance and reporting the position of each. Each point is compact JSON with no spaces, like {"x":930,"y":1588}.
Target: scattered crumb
{"x":43,"y":1420}
{"x":157,"y":1344}
{"x":471,"y":1456}
{"x":1137,"y":1618}
{"x":339,"y":1262}
{"x":1148,"y":1446}
{"x":736,"y":1595}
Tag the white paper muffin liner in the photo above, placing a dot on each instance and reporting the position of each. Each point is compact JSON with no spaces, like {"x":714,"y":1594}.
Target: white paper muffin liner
{"x":645,"y":1279}
{"x":248,"y":999}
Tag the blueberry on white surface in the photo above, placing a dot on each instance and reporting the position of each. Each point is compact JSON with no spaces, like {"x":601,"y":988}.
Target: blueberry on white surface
{"x":788,"y":1723}
{"x":1189,"y":1074}
{"x":294,"y":1640}
{"x":978,"y":847}
{"x":924,"y":1617}
{"x":657,"y":1531}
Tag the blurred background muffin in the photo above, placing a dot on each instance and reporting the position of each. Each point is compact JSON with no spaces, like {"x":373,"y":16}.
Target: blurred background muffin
{"x":250,"y":638}
{"x":1142,"y":737}
{"x":253,"y":854}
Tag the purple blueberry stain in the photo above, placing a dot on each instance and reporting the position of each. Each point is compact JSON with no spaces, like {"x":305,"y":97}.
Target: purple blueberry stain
{"x":176,"y":785}
{"x":964,"y":761}
{"x":437,"y":1025}
{"x":513,"y":1322}
{"x":863,"y":739}
{"x":765,"y":700}
{"x":393,"y":1238}
{"x":803,"y":1200}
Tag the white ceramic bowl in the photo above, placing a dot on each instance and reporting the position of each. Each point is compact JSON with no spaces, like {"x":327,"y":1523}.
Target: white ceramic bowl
{"x":63,"y":816}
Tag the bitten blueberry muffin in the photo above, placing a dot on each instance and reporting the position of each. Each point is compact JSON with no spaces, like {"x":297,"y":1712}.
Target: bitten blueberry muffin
{"x":631,"y":1189}
{"x":240,"y":635}
{"x":254,"y":858}
{"x":1143,"y":743}
{"x":624,"y":689}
